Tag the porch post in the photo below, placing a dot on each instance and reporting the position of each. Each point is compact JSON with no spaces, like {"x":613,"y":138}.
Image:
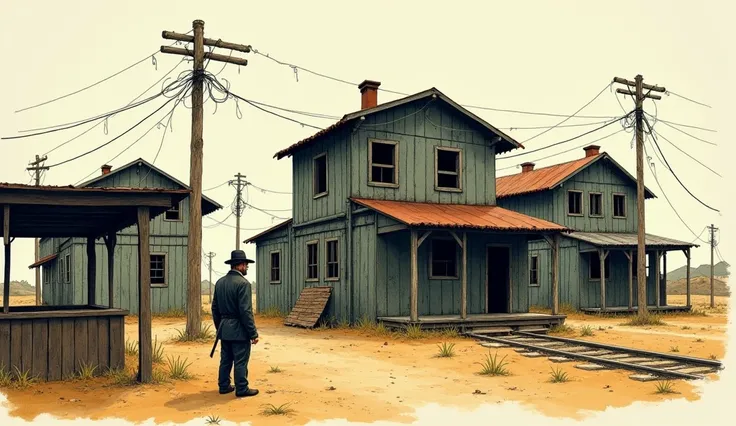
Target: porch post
{"x":6,"y":242}
{"x":414,"y":277}
{"x":664,"y":278}
{"x":145,"y":350}
{"x":464,"y":288}
{"x":602,"y":258}
{"x":110,"y":241}
{"x":630,"y":255}
{"x":91,"y":271}
{"x":555,"y":274}
{"x":687,"y":282}
{"x":657,"y":254}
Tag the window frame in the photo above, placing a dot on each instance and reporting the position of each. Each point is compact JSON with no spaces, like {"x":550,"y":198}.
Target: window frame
{"x":395,"y":166}
{"x":455,"y":260}
{"x":536,"y":282}
{"x":315,"y":194}
{"x":582,"y":203}
{"x":327,"y":259}
{"x":178,"y":209}
{"x":67,"y":268}
{"x":316,"y":264}
{"x":165,"y":284}
{"x":598,"y":261}
{"x":459,"y":152}
{"x":613,"y":204}
{"x":590,"y":204}
{"x":271,"y":268}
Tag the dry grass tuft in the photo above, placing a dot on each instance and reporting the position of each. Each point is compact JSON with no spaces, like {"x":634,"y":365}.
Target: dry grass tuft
{"x":281,"y":410}
{"x":493,"y":367}
{"x":446,"y":350}
{"x":558,"y":376}
{"x":644,"y":321}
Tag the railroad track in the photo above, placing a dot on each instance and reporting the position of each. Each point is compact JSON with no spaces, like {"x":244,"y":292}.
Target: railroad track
{"x":598,"y":356}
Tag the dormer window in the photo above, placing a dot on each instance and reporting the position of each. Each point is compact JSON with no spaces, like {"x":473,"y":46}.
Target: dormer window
{"x":383,"y":163}
{"x":448,"y":169}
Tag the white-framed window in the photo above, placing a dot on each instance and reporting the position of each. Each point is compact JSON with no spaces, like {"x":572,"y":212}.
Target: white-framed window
{"x":595,"y":204}
{"x":319,"y":175}
{"x":275,"y":259}
{"x":534,"y":270}
{"x":333,"y":260}
{"x":444,"y":258}
{"x":619,"y":206}
{"x":383,"y":163}
{"x":158,"y":270}
{"x":574,"y":203}
{"x":448,"y":163}
{"x":313,"y":260}
{"x":173,"y":214}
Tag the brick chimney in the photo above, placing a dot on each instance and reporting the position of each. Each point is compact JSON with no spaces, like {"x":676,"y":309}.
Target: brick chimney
{"x":591,"y":150}
{"x":527,"y":167}
{"x":106,"y":169}
{"x":368,"y":94}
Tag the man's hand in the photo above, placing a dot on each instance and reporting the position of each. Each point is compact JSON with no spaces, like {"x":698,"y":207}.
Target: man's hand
{"x":254,"y":341}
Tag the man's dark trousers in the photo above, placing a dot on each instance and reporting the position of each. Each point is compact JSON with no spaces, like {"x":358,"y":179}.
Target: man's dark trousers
{"x":234,"y":352}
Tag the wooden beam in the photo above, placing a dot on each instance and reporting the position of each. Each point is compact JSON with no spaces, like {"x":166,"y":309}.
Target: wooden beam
{"x":6,"y":243}
{"x":207,"y":55}
{"x":170,"y":35}
{"x":630,"y":255}
{"x":687,"y":282}
{"x":111,"y":198}
{"x":145,"y":348}
{"x":464,"y":288}
{"x":110,"y":241}
{"x":457,"y":239}
{"x":602,"y":254}
{"x":413,"y":298}
{"x":555,"y":274}
{"x":91,"y":272}
{"x":630,"y":93}
{"x":657,"y":255}
{"x":391,"y":228}
{"x":423,"y":237}
{"x":659,"y":89}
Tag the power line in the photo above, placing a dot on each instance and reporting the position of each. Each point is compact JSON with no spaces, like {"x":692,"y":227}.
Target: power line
{"x":670,"y":168}
{"x":687,"y":99}
{"x":264,"y":211}
{"x":691,"y":157}
{"x":167,"y":126}
{"x":152,"y":56}
{"x":271,"y":112}
{"x":666,"y":123}
{"x":222,"y":223}
{"x":705,"y":129}
{"x":215,"y":187}
{"x":563,"y":142}
{"x":267,"y":190}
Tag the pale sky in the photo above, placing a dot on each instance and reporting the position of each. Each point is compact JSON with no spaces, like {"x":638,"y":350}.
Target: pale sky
{"x":521,"y":55}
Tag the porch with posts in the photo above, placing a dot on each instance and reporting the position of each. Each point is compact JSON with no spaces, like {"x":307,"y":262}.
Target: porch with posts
{"x":55,"y":342}
{"x":603,"y":250}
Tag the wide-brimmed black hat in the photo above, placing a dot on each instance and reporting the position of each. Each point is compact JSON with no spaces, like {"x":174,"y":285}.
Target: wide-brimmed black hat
{"x":236,"y":257}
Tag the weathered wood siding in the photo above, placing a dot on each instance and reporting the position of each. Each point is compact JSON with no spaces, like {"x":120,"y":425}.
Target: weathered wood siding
{"x":55,"y":291}
{"x":601,"y":177}
{"x":569,"y":278}
{"x":418,"y":130}
{"x":538,"y":204}
{"x":305,"y":206}
{"x":274,"y":296}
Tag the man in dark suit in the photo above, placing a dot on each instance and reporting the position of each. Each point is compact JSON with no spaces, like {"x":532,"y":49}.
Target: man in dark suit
{"x":232,"y":312}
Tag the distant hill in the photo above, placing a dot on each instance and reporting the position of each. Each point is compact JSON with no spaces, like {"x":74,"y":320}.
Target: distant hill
{"x":699,"y":286}
{"x":19,"y":288}
{"x":720,"y":269}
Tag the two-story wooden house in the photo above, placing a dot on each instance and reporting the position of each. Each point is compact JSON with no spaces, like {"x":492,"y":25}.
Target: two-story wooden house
{"x":64,"y":261}
{"x":596,"y":197}
{"x":394,"y":206}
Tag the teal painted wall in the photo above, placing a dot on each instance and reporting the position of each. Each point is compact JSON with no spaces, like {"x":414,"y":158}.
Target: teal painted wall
{"x":167,"y":237}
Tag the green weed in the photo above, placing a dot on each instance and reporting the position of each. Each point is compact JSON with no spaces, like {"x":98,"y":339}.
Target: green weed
{"x":281,"y":410}
{"x":665,"y":387}
{"x":493,"y":367}
{"x":586,"y":331}
{"x":178,"y":368}
{"x":447,"y":350}
{"x":558,"y":376}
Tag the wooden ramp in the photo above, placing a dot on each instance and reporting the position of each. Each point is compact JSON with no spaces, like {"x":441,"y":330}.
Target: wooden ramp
{"x":309,"y":308}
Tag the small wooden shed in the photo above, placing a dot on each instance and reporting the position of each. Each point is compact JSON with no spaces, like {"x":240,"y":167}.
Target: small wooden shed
{"x":53,"y":342}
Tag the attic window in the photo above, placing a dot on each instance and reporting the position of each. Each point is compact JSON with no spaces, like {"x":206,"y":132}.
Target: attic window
{"x":319,"y":170}
{"x":575,"y":203}
{"x":448,"y":165}
{"x":596,"y":204}
{"x":383,"y":162}
{"x":173,"y":214}
{"x":619,"y":205}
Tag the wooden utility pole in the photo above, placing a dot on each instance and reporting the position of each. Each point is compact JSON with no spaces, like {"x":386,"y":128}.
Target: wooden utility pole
{"x":209,"y":256}
{"x":639,"y":96}
{"x":36,"y":167}
{"x":713,"y":230}
{"x":194,"y":271}
{"x":239,"y":184}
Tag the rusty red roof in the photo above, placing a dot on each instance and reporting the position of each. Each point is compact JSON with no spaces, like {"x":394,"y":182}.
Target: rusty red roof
{"x":482,"y":217}
{"x":42,"y":261}
{"x":546,"y":178}
{"x":4,"y":185}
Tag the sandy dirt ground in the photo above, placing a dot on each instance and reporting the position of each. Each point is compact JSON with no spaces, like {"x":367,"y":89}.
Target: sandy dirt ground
{"x":364,"y":375}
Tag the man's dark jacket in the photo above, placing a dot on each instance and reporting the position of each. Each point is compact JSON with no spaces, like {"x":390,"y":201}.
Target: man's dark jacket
{"x":232,"y":304}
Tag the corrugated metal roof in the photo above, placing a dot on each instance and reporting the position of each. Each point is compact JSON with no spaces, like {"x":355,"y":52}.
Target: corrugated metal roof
{"x":268,"y":231}
{"x":541,"y":179}
{"x":618,"y":239}
{"x":42,"y":261}
{"x":458,"y":216}
{"x":510,"y":144}
{"x":546,"y":178}
{"x":4,"y":185}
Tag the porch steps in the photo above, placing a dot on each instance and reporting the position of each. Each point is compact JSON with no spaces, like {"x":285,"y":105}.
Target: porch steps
{"x":534,"y":329}
{"x":493,"y":331}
